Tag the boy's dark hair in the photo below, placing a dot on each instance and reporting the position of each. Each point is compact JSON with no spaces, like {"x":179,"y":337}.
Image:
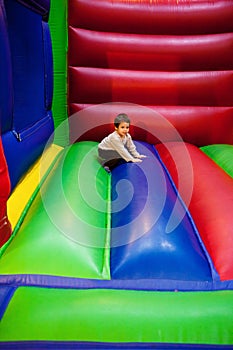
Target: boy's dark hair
{"x":122,"y":117}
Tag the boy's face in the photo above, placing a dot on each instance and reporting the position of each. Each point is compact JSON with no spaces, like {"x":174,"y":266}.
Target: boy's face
{"x":122,"y":129}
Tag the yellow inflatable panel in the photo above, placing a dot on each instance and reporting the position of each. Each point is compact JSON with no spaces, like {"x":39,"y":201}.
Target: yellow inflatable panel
{"x":24,"y":190}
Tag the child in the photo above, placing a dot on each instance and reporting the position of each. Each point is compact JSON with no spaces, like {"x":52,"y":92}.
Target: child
{"x":118,"y":146}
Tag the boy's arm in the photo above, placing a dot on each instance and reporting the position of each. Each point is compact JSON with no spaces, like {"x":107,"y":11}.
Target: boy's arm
{"x":118,"y":146}
{"x":132,"y":148}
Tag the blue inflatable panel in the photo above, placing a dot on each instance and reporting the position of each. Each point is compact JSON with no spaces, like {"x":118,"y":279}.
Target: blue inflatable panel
{"x":20,"y":155}
{"x":6,"y":96}
{"x":85,"y":345}
{"x":6,"y":294}
{"x":48,"y":62}
{"x":41,"y":7}
{"x":32,"y":85}
{"x":27,"y":49}
{"x":143,"y":199}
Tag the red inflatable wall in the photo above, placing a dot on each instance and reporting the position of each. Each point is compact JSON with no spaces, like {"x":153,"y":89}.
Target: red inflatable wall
{"x":196,"y":125}
{"x":175,"y":57}
{"x":152,"y":16}
{"x":150,"y":52}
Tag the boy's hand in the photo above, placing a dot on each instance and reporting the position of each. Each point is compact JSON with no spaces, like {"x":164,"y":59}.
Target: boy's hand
{"x":136,"y":160}
{"x":141,"y":156}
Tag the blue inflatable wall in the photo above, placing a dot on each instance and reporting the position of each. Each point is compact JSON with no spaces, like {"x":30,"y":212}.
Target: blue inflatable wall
{"x":27,"y":83}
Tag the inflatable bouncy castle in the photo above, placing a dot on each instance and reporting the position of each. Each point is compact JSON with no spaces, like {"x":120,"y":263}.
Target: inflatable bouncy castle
{"x":141,"y":257}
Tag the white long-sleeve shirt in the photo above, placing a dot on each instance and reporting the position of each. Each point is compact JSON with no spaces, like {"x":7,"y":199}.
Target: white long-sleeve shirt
{"x":124,"y":146}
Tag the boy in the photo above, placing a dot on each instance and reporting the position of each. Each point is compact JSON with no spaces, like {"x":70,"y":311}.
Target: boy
{"x":118,"y":145}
